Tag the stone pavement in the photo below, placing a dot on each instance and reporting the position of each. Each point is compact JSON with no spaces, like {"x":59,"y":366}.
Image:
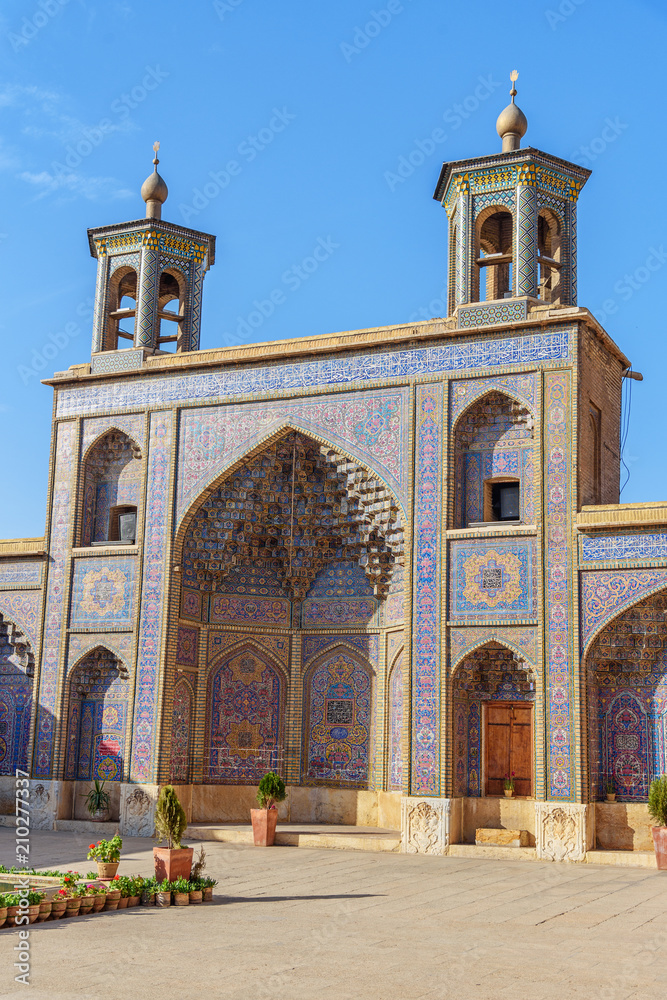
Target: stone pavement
{"x":302,"y":924}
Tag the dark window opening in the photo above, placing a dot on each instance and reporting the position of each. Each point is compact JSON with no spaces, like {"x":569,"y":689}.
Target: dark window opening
{"x":505,"y":501}
{"x":123,"y":525}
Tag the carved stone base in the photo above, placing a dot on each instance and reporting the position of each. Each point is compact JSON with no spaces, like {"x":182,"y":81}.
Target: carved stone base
{"x":137,"y":810}
{"x":428,"y":826}
{"x":564,"y":831}
{"x":45,"y":802}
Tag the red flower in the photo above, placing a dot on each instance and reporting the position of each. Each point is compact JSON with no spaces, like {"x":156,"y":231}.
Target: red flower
{"x":91,"y":847}
{"x":116,"y":877}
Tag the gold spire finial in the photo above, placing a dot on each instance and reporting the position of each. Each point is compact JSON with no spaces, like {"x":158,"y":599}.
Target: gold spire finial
{"x":154,"y":190}
{"x":511,"y":125}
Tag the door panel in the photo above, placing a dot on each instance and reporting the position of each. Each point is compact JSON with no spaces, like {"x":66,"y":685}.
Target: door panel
{"x":509,"y":746}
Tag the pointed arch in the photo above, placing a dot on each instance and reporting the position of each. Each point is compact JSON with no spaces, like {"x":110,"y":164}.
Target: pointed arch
{"x":246,"y":695}
{"x":97,"y":703}
{"x":397,"y":716}
{"x":493,"y":460}
{"x":16,"y":696}
{"x":338,"y":713}
{"x":112,"y":476}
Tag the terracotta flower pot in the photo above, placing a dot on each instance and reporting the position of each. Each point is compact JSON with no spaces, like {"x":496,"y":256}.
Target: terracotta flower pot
{"x":111,"y":904}
{"x":181,"y":898}
{"x":172,"y":862}
{"x":33,"y":913}
{"x":44,"y":910}
{"x":264,"y":826}
{"x":100,"y":901}
{"x":509,"y":792}
{"x":133,"y":900}
{"x":660,"y":845}
{"x":163,"y":898}
{"x":113,"y":894}
{"x":72,"y":906}
{"x":11,"y":915}
{"x":58,"y":909}
{"x":122,"y":902}
{"x":611,"y":797}
{"x":3,"y":915}
{"x":196,"y":896}
{"x":107,"y":869}
{"x":87,"y":903}
{"x":207,"y":896}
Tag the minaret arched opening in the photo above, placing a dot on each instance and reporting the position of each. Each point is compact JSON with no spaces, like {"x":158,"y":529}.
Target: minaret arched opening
{"x":171,"y":305}
{"x":549,"y":256}
{"x":493,"y":277}
{"x":121,"y":317}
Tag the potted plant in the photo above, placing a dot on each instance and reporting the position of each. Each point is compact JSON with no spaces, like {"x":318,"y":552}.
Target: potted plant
{"x":58,"y":904}
{"x":196,"y":890}
{"x":148,"y":890}
{"x":107,"y":855}
{"x":113,"y":894}
{"x":509,"y":785}
{"x":207,"y":889}
{"x":88,"y":899}
{"x":173,"y":861}
{"x":99,"y":894}
{"x":611,"y":794}
{"x":44,"y":909}
{"x":3,"y":908}
{"x":13,"y":902}
{"x":97,"y":802}
{"x":271,"y":790}
{"x":181,"y":890}
{"x":35,"y":900}
{"x":657,"y":807}
{"x":124,"y":883}
{"x":163,"y":894}
{"x":136,"y":885}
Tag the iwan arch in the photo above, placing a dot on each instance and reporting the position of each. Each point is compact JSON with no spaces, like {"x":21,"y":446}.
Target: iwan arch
{"x":390,"y":563}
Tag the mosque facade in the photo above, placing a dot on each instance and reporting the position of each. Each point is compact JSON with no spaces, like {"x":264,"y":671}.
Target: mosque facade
{"x":390,"y":564}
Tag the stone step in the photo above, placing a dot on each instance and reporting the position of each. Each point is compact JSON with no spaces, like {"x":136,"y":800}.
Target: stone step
{"x":315,"y":835}
{"x":493,"y":837}
{"x":629,"y":859}
{"x":492,"y":851}
{"x":101,"y":831}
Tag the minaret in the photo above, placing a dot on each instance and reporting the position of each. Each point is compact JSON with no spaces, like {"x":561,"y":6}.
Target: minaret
{"x":512,"y":225}
{"x":149,"y":284}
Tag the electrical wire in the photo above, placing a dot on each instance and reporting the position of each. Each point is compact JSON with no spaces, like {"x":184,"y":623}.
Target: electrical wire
{"x":626,"y":410}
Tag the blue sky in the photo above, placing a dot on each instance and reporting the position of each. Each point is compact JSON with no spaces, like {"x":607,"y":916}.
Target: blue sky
{"x":284,"y":124}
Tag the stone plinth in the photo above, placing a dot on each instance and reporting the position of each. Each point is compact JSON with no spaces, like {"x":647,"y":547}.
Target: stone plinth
{"x":501,"y":838}
{"x":137,"y":810}
{"x":428,"y":826}
{"x":564,"y":831}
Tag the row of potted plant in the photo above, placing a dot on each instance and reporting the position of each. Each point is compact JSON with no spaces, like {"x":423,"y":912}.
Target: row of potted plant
{"x":82,"y":897}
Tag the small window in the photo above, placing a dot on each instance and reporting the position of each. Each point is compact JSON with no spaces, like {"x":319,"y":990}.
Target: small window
{"x":123,"y":525}
{"x":505,"y":501}
{"x":502,"y":500}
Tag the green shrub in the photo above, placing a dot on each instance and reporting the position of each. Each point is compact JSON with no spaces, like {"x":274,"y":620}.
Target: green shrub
{"x":271,"y":790}
{"x":170,"y":819}
{"x":657,"y":800}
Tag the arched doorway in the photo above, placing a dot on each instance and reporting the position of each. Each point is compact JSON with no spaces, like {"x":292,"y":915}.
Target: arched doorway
{"x":99,"y":691}
{"x":17,"y":665}
{"x":626,"y":674}
{"x":493,"y":694}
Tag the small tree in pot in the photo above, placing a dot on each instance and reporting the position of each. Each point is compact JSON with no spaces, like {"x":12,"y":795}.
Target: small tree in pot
{"x":173,"y":861}
{"x":271,"y":791}
{"x":657,"y":807}
{"x":97,"y":803}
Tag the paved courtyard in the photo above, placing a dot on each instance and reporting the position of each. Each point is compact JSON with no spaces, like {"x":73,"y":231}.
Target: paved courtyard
{"x":303,"y":924}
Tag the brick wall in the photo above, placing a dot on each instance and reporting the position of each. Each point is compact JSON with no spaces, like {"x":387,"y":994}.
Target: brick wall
{"x":599,"y":403}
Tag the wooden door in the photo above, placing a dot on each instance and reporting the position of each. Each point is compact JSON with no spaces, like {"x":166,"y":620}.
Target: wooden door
{"x":509,"y":746}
